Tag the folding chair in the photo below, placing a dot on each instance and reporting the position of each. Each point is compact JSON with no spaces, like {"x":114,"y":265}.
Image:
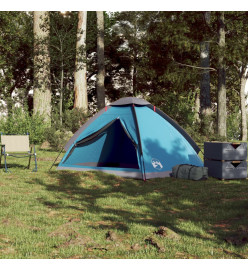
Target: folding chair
{"x":17,"y":146}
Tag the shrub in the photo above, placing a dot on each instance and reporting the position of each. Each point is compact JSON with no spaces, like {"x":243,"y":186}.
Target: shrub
{"x":59,"y":133}
{"x":58,"y":138}
{"x":20,"y":122}
{"x":234,"y":125}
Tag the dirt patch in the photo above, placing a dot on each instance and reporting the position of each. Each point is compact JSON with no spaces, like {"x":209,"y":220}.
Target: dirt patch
{"x":66,"y":231}
{"x":237,"y":239}
{"x":154,"y":242}
{"x":225,"y":225}
{"x":111,"y":236}
{"x":5,"y":239}
{"x":97,"y":248}
{"x":79,"y":240}
{"x":52,"y":213}
{"x":168,"y":233}
{"x":8,"y":250}
{"x":173,"y":211}
{"x":69,"y":232}
{"x":136,"y":247}
{"x":182,"y":255}
{"x":45,"y":159}
{"x":13,"y":222}
{"x":234,"y":199}
{"x":108,"y":225}
{"x":229,"y":252}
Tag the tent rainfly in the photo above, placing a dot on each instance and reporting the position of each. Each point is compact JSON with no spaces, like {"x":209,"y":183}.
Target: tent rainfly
{"x":130,"y":138}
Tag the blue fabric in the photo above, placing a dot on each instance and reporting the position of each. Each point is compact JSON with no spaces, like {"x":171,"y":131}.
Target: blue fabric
{"x":111,"y":148}
{"x":163,"y":146}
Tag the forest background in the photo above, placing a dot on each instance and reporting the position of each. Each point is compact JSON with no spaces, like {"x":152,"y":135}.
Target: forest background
{"x":190,"y":64}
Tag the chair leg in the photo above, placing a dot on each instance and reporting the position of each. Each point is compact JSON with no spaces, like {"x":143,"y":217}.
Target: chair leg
{"x":30,"y":157}
{"x":5,"y":163}
{"x":5,"y":158}
{"x":2,"y":148}
{"x":35,"y":160}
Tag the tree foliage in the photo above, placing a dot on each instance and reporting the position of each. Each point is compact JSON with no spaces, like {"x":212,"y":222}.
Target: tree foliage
{"x":63,"y":52}
{"x":16,"y":51}
{"x":154,"y":55}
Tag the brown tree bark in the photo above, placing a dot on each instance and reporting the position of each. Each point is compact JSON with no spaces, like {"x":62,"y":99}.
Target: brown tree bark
{"x":80,"y":82}
{"x":221,"y":107}
{"x":100,"y":61}
{"x":42,"y":80}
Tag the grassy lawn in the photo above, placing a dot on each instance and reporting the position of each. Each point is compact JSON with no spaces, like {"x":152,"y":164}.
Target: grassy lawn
{"x":65,"y":214}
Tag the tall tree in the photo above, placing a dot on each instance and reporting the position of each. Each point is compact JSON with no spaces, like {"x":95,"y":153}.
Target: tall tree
{"x":243,"y":79}
{"x":63,"y":53}
{"x":221,"y":107}
{"x":238,"y":59}
{"x":42,"y":80}
{"x":205,"y":102}
{"x":80,"y":81}
{"x":16,"y":59}
{"x":172,"y":68}
{"x":100,"y":60}
{"x":132,"y":26}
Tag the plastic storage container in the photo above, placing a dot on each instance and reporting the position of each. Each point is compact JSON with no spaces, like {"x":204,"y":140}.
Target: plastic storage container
{"x":225,"y":151}
{"x":226,"y":169}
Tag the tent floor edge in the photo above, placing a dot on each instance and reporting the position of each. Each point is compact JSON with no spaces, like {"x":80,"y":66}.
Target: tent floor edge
{"x":128,"y":174}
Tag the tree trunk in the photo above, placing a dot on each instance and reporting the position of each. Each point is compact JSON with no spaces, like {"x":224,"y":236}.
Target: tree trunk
{"x":197,"y":107}
{"x":135,"y":53}
{"x":61,"y":95}
{"x":242,"y":106}
{"x":205,"y":80}
{"x":221,"y":108}
{"x":134,"y":79}
{"x":100,"y":60}
{"x":80,"y":82}
{"x":42,"y":80}
{"x":205,"y":101}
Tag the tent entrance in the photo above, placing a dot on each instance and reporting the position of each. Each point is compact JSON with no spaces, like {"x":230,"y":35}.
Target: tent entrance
{"x":111,"y":146}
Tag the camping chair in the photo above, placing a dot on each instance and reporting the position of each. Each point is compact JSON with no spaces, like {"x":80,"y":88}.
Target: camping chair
{"x":17,"y":146}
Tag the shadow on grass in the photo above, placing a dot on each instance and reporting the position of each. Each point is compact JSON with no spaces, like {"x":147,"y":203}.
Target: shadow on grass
{"x":210,"y":210}
{"x":15,"y":165}
{"x":214,"y":207}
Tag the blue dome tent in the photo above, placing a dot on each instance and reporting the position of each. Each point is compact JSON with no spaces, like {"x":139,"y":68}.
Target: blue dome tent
{"x":130,"y":138}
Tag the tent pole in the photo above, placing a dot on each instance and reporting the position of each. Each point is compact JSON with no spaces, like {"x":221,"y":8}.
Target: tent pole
{"x":56,"y":159}
{"x":139,"y":139}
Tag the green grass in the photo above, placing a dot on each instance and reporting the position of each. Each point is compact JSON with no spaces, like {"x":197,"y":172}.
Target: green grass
{"x":65,"y":214}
